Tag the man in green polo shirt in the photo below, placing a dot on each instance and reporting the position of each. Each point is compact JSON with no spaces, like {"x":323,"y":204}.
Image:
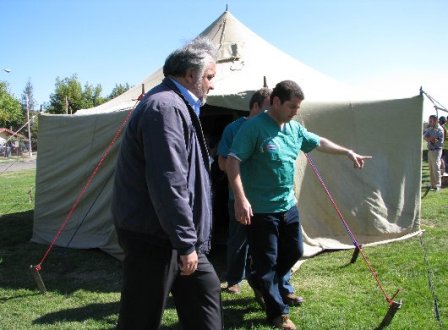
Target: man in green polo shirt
{"x":267,"y":147}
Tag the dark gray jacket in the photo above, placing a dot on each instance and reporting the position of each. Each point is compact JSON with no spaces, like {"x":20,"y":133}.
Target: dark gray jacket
{"x":162,"y":183}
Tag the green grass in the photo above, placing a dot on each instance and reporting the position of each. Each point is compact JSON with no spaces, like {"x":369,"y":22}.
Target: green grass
{"x":83,"y":285}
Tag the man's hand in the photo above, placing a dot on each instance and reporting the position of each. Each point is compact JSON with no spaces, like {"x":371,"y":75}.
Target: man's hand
{"x":188,"y":263}
{"x":333,"y":148}
{"x":358,"y":160}
{"x":243,"y":211}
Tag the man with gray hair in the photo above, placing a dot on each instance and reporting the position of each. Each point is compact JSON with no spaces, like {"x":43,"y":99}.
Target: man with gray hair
{"x":162,"y":201}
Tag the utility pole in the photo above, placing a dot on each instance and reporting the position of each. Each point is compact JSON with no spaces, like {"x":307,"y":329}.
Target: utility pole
{"x":30,"y":152}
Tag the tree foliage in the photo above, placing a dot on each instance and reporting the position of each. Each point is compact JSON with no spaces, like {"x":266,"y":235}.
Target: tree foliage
{"x":118,"y":90}
{"x":70,"y":96}
{"x":29,"y":101}
{"x":28,"y":97}
{"x":10,"y":109}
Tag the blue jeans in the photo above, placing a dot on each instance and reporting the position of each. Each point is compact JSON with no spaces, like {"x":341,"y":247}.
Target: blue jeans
{"x":238,"y":261}
{"x":238,"y":265}
{"x":276,"y":244}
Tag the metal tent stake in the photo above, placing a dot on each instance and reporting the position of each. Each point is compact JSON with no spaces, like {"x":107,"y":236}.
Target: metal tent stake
{"x":394,"y":306}
{"x":38,"y":278}
{"x":355,"y":254}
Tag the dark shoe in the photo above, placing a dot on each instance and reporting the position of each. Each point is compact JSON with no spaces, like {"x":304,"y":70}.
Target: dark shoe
{"x":292,"y":300}
{"x":283,"y":322}
{"x":233,"y":289}
{"x":257,"y":293}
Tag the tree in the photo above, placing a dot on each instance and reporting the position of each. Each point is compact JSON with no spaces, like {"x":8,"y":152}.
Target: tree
{"x":28,"y":94}
{"x":28,"y":104}
{"x":11,"y":115}
{"x":118,"y":90}
{"x":69,"y":96}
{"x":92,"y":96}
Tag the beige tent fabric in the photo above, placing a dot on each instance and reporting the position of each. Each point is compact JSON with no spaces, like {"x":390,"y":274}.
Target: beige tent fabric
{"x":70,"y":148}
{"x":381,"y":202}
{"x":244,"y":61}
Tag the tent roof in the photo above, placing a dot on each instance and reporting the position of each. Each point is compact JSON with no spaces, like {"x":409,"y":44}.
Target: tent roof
{"x":245,"y":61}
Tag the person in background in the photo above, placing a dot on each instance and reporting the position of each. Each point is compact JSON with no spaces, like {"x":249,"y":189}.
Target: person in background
{"x":260,"y":168}
{"x":433,"y":135}
{"x":444,"y":160}
{"x":8,"y":149}
{"x":237,"y":261}
{"x":161,"y":202}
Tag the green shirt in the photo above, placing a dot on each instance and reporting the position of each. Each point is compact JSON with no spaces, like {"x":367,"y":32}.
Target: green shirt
{"x":268,"y":156}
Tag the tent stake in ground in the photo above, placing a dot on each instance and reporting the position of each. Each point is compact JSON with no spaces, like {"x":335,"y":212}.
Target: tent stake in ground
{"x":393,"y":305}
{"x":355,"y":254}
{"x":38,"y":279}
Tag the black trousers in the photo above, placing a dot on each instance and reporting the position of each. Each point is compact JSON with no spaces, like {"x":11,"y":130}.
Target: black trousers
{"x":150,"y":273}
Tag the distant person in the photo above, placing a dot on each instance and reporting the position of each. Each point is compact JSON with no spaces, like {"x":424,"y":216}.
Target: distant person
{"x":444,"y":160}
{"x":434,"y":137}
{"x":161,"y":202}
{"x":260,"y":168}
{"x":8,"y":149}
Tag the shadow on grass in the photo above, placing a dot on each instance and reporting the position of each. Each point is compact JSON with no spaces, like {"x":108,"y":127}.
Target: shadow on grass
{"x":16,"y":228}
{"x":235,"y":314}
{"x":80,"y":314}
{"x":65,"y":270}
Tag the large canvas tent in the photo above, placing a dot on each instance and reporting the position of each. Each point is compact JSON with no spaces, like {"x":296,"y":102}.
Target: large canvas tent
{"x":381,"y":202}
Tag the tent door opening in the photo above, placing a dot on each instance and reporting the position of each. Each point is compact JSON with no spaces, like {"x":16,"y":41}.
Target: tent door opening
{"x":214,"y":120}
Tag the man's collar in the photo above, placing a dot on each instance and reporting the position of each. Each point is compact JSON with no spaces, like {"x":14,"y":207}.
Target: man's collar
{"x":192,"y":99}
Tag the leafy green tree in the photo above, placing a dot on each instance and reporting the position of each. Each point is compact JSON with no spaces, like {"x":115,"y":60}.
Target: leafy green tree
{"x":70,"y":96}
{"x":92,"y":96}
{"x":67,"y":97}
{"x":10,"y":109}
{"x":118,"y":90}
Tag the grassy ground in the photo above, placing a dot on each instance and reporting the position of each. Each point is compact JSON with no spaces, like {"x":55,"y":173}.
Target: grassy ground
{"x":83,"y":286}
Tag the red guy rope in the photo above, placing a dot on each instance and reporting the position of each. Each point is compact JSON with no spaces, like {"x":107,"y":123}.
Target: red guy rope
{"x":350,"y":233}
{"x":38,"y":267}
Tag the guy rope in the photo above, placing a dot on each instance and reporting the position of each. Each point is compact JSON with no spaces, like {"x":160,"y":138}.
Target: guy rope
{"x":35,"y":269}
{"x":393,"y":305}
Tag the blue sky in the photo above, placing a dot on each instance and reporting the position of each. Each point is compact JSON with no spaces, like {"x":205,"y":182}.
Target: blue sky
{"x":391,"y":45}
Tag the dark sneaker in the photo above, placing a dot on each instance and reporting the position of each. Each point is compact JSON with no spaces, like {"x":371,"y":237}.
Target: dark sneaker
{"x":283,"y":322}
{"x":257,"y":293}
{"x":233,"y":289}
{"x":292,"y":300}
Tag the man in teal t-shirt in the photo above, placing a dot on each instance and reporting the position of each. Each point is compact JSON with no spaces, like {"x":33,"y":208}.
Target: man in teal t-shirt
{"x":267,"y":147}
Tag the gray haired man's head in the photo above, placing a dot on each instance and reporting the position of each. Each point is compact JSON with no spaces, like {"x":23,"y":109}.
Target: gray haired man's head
{"x":196,"y":55}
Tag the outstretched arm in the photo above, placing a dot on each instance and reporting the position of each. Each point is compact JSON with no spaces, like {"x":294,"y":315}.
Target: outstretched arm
{"x":330,"y":147}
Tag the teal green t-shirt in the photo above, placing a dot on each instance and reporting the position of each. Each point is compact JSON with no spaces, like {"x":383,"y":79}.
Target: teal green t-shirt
{"x":268,"y":155}
{"x":226,"y":141}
